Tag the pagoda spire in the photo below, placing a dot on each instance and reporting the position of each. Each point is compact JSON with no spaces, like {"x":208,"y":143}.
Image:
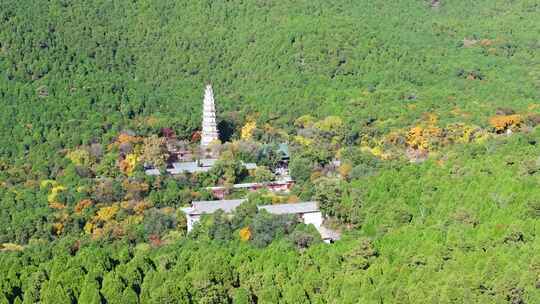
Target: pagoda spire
{"x":209,"y":126}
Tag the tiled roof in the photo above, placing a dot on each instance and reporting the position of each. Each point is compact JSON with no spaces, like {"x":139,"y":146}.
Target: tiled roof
{"x":178,"y":168}
{"x":228,"y":206}
{"x":202,"y":207}
{"x":284,"y":149}
{"x":249,"y":185}
{"x":203,"y":165}
{"x":190,"y":167}
{"x":293,"y":208}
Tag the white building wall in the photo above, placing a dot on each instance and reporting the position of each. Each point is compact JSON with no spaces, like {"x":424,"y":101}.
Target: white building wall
{"x":191,"y":220}
{"x":314,"y":218}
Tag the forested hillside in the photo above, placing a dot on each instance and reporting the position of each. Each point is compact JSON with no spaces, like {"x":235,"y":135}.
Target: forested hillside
{"x":413,"y":123}
{"x":106,"y":64}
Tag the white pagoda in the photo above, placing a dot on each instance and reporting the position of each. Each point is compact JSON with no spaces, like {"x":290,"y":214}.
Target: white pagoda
{"x":209,"y":126}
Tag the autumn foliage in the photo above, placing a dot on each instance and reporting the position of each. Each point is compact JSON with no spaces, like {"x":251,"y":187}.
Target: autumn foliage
{"x":83,"y":204}
{"x":248,"y":129}
{"x":245,"y":234}
{"x":423,"y":138}
{"x":128,"y":164}
{"x":124,"y":138}
{"x":502,"y":123}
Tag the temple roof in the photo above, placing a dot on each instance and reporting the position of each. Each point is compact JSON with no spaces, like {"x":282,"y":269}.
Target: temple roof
{"x":284,"y":149}
{"x":249,"y":185}
{"x":204,"y":207}
{"x":294,"y":208}
{"x":182,"y":167}
{"x":228,"y":206}
{"x":203,"y":165}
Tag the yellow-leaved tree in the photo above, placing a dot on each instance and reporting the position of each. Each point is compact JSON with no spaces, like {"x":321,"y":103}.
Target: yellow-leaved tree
{"x":127,"y":166}
{"x":107,"y":213}
{"x":80,"y":157}
{"x":248,"y":129}
{"x":345,"y":169}
{"x":245,"y":234}
{"x":304,"y":121}
{"x":154,"y":151}
{"x":55,"y":190}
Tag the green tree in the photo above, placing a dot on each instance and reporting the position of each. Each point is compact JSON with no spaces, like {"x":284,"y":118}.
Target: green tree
{"x":112,"y":288}
{"x":90,"y":293}
{"x":304,"y":236}
{"x":262,"y":174}
{"x":241,"y":296}
{"x":266,"y":227}
{"x":54,"y":293}
{"x":300,"y":169}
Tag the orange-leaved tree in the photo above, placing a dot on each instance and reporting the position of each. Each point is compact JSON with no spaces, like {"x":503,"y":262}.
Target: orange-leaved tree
{"x":502,"y":123}
{"x":245,"y":234}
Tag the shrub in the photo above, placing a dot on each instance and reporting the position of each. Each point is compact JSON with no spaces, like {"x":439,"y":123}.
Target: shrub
{"x":156,"y":222}
{"x":300,"y":169}
{"x":533,"y":120}
{"x":266,"y":227}
{"x":304,"y":236}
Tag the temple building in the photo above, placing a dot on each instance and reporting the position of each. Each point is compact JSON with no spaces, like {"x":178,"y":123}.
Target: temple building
{"x":283,"y":185}
{"x":307,"y":213}
{"x":196,"y":166}
{"x":209,"y":126}
{"x":197,"y":209}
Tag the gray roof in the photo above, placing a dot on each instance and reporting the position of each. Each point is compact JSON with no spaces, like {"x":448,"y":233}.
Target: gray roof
{"x":202,"y":207}
{"x":236,"y":186}
{"x":249,"y":185}
{"x":152,"y":172}
{"x":190,"y":167}
{"x":228,"y":206}
{"x":178,"y":168}
{"x":294,"y":208}
{"x":250,"y":166}
{"x":208,"y":162}
{"x":203,"y":165}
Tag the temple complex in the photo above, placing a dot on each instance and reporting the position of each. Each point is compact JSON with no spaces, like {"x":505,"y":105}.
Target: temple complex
{"x":209,"y":126}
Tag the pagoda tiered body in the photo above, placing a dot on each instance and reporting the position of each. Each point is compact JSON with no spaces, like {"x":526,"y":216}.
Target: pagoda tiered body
{"x":209,"y":126}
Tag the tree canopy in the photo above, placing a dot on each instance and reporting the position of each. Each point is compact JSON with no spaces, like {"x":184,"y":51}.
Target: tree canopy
{"x":413,"y":124}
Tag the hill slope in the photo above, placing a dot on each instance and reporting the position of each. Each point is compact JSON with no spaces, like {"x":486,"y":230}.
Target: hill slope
{"x":102,"y":64}
{"x":92,"y":90}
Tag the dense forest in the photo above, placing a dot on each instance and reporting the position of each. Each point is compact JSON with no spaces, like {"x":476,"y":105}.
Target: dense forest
{"x":413,"y":123}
